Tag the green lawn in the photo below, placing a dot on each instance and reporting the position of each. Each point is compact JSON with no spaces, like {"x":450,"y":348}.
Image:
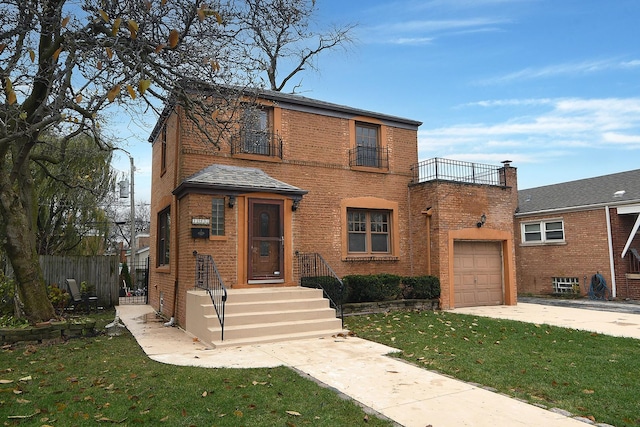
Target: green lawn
{"x":102,"y":380}
{"x":588,"y":374}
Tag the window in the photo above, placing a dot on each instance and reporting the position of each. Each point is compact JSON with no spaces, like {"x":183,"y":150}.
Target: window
{"x":368,"y":231}
{"x":367,"y":146}
{"x":566,"y":285}
{"x":164,"y":230}
{"x":543,"y":231}
{"x":256,"y":135}
{"x":217,"y":217}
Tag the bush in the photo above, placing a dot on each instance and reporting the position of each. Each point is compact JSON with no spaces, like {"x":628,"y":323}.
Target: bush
{"x":372,"y":288}
{"x":331,"y":286}
{"x":421,"y":287}
{"x":58,"y":297}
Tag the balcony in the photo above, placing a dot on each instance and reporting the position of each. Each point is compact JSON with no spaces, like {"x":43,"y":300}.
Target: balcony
{"x":262,"y":143}
{"x":370,"y":157}
{"x":457,"y":171}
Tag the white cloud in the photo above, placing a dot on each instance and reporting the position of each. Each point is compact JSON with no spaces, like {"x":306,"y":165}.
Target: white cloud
{"x":585,"y":67}
{"x":566,"y":126}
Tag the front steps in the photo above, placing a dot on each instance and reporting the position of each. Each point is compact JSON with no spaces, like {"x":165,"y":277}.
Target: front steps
{"x":261,"y":315}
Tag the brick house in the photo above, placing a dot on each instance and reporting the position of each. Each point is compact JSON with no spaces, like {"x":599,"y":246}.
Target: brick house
{"x":299,"y":177}
{"x":565,"y":233}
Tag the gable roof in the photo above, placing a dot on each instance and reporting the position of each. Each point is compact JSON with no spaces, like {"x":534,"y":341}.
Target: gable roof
{"x":233,"y":180}
{"x":287,"y":101}
{"x":608,"y":190}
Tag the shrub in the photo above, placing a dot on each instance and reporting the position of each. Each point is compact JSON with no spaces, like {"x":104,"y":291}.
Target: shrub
{"x":372,"y":288}
{"x":421,"y":287}
{"x":331,"y":286}
{"x":58,"y":297}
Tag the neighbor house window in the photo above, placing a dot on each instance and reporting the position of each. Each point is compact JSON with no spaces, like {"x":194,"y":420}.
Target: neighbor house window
{"x":164,"y":230}
{"x":566,"y":285}
{"x":367,"y":145}
{"x":368,"y":231}
{"x":217,"y":217}
{"x":543,"y":232}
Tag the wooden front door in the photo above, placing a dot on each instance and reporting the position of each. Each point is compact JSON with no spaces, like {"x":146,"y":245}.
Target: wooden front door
{"x":266,"y":238}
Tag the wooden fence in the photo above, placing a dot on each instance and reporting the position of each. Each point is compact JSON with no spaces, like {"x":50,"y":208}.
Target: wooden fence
{"x":100,"y":271}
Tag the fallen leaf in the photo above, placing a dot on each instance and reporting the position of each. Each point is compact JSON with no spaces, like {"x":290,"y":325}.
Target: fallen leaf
{"x":587,"y":391}
{"x":6,"y":381}
{"x":294,"y":413}
{"x":204,"y":394}
{"x":238,"y":413}
{"x":27,"y":378}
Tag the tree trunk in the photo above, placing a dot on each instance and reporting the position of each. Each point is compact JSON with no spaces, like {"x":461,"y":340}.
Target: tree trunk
{"x":20,"y":246}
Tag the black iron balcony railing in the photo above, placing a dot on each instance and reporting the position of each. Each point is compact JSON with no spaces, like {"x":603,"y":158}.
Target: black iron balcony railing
{"x":457,"y":171}
{"x":264,"y":143}
{"x":373,"y":157}
{"x":208,"y":278}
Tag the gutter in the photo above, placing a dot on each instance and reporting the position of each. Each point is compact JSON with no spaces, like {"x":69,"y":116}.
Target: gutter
{"x":577,"y":208}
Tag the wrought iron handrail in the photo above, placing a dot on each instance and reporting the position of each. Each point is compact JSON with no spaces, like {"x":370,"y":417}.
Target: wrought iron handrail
{"x":458,"y":171}
{"x":315,"y":272}
{"x":634,"y":261}
{"x":208,"y":278}
{"x":261,"y":142}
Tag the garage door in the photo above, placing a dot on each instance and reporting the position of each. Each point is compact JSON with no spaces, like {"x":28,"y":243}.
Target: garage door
{"x":477,"y":273}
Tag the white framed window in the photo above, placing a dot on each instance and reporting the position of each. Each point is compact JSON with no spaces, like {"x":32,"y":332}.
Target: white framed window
{"x":566,"y":285}
{"x":547,"y":231}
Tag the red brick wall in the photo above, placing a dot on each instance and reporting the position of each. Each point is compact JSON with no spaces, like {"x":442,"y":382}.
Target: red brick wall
{"x":454,"y":211}
{"x":584,"y":253}
{"x":621,"y":227}
{"x":315,"y":158}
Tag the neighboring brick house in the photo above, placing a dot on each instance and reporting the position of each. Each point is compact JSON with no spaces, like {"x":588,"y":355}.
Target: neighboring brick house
{"x":566,"y":233}
{"x":304,"y":176}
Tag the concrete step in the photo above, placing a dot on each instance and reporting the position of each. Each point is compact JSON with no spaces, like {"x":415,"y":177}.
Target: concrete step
{"x":264,"y":294}
{"x":327,"y":334}
{"x":276,"y":328}
{"x":260,"y":317}
{"x":253,"y":314}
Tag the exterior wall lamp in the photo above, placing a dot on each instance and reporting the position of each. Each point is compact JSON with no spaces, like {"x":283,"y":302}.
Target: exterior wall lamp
{"x":232,"y":201}
{"x":296,"y":203}
{"x":483,"y":219}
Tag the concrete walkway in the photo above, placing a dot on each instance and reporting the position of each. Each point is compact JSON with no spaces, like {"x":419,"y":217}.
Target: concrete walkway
{"x":360,"y":369}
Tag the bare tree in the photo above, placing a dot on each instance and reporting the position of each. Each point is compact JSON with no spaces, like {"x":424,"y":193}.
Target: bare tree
{"x":279,"y":37}
{"x":64,"y":63}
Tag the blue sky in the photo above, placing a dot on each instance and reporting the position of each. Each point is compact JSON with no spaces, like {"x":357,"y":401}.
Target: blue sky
{"x":553,"y":85}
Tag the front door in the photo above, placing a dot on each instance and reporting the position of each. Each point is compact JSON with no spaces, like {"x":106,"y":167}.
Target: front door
{"x":266,"y":239}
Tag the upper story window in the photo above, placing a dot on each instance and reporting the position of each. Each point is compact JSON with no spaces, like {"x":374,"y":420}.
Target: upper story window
{"x":164,"y":231}
{"x":543,"y":232}
{"x":368,"y":231}
{"x":256,"y":134}
{"x":368,"y":150}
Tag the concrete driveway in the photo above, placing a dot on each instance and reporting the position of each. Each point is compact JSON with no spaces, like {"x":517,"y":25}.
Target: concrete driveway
{"x":392,"y":388}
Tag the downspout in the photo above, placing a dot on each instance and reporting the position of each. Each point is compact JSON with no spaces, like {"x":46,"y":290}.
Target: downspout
{"x":611,"y":261}
{"x":410,"y":213}
{"x":174,"y":230}
{"x":428,"y":214}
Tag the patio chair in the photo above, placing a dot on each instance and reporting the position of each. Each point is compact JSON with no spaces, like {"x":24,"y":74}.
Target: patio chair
{"x":77,"y":298}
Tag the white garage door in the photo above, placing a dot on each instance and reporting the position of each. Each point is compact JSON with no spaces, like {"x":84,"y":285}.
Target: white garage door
{"x":477,"y":274}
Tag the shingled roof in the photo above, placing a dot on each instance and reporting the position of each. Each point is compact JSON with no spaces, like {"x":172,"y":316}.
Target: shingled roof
{"x":615,"y":189}
{"x":234,"y":180}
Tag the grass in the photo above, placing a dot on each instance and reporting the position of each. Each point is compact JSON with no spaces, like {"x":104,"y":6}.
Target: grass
{"x":110,"y":380}
{"x":587,"y":374}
